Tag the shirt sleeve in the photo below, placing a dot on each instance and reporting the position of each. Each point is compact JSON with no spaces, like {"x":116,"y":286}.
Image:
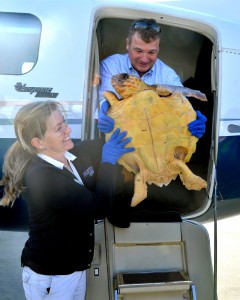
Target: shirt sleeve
{"x":166,"y":75}
{"x":105,"y":80}
{"x":172,"y":78}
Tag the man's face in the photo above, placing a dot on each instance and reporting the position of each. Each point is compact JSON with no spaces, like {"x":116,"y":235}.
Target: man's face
{"x":142,"y":55}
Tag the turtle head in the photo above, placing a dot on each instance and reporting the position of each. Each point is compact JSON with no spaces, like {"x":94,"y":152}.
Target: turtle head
{"x":127,"y":85}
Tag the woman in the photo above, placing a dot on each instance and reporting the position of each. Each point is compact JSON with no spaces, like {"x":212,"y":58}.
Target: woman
{"x":65,"y":193}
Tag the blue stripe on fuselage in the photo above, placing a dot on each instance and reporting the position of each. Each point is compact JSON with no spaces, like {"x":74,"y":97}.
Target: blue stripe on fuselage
{"x":228,"y":167}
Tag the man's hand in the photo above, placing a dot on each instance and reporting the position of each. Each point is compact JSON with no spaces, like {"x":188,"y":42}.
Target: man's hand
{"x":198,"y":126}
{"x":105,"y":123}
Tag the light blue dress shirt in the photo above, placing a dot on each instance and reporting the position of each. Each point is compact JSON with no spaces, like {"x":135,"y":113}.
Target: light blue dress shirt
{"x":160,"y":73}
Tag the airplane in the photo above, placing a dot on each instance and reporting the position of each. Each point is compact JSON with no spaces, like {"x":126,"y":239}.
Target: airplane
{"x":52,"y":50}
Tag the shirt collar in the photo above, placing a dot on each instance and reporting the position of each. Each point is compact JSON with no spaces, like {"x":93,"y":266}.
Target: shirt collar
{"x":56,"y":163}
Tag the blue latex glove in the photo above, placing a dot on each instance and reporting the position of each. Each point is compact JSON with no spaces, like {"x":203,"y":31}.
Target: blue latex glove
{"x":114,"y":148}
{"x":198,"y":126}
{"x":105,"y":123}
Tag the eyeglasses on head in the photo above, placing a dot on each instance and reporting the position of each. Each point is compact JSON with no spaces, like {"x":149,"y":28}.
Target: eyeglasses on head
{"x":147,"y":24}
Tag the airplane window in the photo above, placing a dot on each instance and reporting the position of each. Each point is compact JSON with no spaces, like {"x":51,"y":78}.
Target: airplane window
{"x":19,"y":42}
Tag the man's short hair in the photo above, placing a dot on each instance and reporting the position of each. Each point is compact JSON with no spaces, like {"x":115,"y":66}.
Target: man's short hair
{"x":148,"y":29}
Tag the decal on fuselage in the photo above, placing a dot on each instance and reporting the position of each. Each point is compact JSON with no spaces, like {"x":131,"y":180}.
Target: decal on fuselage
{"x":44,"y":92}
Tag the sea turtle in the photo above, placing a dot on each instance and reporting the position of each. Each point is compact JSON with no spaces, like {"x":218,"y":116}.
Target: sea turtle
{"x":156,"y":117}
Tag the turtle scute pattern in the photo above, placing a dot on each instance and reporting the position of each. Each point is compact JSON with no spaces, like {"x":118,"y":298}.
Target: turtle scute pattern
{"x":156,"y":117}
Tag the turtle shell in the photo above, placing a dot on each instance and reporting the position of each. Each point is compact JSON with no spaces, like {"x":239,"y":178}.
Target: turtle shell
{"x":163,"y":144}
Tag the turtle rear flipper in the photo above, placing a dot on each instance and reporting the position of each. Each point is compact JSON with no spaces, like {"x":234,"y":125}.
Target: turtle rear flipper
{"x":190,"y":180}
{"x":140,"y":190}
{"x":140,"y":183}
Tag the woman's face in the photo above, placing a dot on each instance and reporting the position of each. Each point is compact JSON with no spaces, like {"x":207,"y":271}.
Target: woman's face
{"x":56,"y":140}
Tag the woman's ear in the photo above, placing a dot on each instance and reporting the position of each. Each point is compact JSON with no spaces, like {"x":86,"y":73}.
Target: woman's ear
{"x":37,"y":143}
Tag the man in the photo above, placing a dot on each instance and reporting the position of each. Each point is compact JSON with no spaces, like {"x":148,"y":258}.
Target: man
{"x":142,"y":61}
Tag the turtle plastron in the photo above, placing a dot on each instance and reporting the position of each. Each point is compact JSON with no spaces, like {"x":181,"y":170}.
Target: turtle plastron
{"x":157,"y":118}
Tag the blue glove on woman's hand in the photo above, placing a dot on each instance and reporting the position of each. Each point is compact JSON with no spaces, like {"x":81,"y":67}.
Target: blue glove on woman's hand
{"x":198,"y":126}
{"x":105,"y":123}
{"x":114,"y":148}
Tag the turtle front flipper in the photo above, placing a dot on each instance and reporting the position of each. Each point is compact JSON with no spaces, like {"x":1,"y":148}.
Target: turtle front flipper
{"x":164,"y":90}
{"x":110,"y":97}
{"x":190,"y":180}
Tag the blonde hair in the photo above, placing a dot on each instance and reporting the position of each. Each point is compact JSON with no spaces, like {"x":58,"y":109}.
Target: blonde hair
{"x":30,"y":122}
